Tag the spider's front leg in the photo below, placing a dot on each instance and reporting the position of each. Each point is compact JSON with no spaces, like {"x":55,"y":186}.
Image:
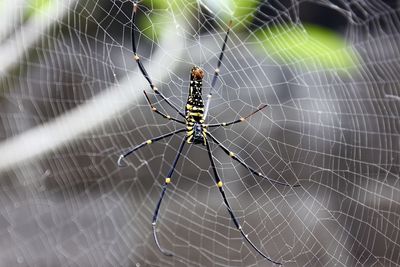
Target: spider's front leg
{"x":142,"y":68}
{"x":217,"y":70}
{"x":165,"y":116}
{"x":147,"y":142}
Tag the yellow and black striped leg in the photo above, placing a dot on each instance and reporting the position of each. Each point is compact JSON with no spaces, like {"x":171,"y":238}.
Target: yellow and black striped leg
{"x":216,"y":71}
{"x":235,"y":221}
{"x":142,"y":68}
{"x":165,"y":116}
{"x":238,"y":120}
{"x":164,"y":189}
{"x":252,"y":170}
{"x":148,"y":142}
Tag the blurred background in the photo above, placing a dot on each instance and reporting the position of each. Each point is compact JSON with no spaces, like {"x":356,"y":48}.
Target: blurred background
{"x":71,"y":101}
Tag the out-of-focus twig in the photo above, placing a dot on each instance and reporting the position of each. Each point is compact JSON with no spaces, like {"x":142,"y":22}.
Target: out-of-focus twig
{"x":65,"y":128}
{"x":393,"y":96}
{"x":25,"y":37}
{"x":9,"y":16}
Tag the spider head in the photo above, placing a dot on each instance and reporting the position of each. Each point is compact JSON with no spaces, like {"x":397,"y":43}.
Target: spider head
{"x":197,"y":73}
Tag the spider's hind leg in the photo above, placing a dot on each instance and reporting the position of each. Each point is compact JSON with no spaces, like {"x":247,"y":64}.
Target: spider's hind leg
{"x":164,"y":189}
{"x":235,"y":221}
{"x":147,"y":142}
{"x":244,"y":164}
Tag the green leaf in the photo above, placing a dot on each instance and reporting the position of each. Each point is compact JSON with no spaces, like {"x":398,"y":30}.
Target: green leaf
{"x":311,"y":45}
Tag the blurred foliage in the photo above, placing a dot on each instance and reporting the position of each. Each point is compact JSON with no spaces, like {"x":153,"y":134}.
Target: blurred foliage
{"x":162,"y":13}
{"x":311,"y":45}
{"x":36,"y":7}
{"x":240,"y":11}
{"x":244,"y":12}
{"x":160,"y":16}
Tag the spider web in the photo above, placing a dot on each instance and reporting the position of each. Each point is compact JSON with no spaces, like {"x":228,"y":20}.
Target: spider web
{"x":72,"y":101}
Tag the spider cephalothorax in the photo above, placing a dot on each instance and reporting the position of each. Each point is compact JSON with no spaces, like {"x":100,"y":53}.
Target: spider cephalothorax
{"x":196,"y":133}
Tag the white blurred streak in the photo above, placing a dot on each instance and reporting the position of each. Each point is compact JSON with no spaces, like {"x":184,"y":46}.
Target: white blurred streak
{"x":206,"y":7}
{"x":10,"y":14}
{"x":396,"y":97}
{"x":65,"y":128}
{"x":216,"y":7}
{"x":30,"y":32}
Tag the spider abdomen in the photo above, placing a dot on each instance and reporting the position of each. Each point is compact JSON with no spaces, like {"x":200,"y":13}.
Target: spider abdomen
{"x":196,"y":134}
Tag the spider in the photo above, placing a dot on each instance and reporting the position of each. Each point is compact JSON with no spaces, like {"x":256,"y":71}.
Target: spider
{"x":194,"y":118}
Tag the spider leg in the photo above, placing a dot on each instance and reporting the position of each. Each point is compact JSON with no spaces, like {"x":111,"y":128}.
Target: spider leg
{"x":165,"y":116}
{"x":252,"y":170}
{"x":142,"y":68}
{"x":238,"y":120}
{"x":216,"y":71}
{"x":235,"y":221}
{"x":164,"y":188}
{"x":147,"y":142}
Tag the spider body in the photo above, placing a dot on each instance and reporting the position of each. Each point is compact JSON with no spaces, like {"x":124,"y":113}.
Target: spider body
{"x":196,"y":133}
{"x":196,"y":130}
